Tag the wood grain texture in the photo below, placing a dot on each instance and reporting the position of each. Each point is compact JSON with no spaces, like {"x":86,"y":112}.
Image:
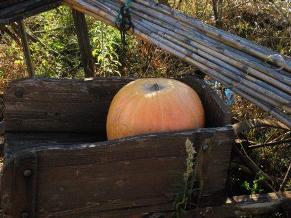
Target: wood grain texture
{"x":47,"y":105}
{"x":127,"y":176}
{"x":59,"y":124}
{"x":84,"y":42}
{"x":14,"y":10}
{"x":19,"y":186}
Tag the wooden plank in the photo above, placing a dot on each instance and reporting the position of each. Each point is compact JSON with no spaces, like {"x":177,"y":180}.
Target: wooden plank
{"x":48,"y":105}
{"x":211,"y":163}
{"x":12,"y":11}
{"x":127,"y":176}
{"x":18,"y":189}
{"x":26,"y":49}
{"x":84,"y":42}
{"x":259,"y":205}
{"x":60,"y":105}
{"x":7,"y":3}
{"x":21,"y":141}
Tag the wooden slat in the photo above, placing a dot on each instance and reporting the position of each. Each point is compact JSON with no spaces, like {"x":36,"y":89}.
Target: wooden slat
{"x":48,"y":105}
{"x":259,"y":205}
{"x":11,"y":11}
{"x":19,"y":188}
{"x":127,"y":176}
{"x":20,"y":141}
{"x":84,"y":43}
{"x":60,"y":105}
{"x":26,"y":49}
{"x":7,"y":3}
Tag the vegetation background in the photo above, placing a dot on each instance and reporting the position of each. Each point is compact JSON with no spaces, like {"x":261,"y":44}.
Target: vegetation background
{"x":55,"y":53}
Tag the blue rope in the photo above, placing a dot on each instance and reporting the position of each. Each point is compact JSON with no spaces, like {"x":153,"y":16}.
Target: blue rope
{"x":128,"y":3}
{"x":123,"y":22}
{"x":125,"y":7}
{"x":229,"y":96}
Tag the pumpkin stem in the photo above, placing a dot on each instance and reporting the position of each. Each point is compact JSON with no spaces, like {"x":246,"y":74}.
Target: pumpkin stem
{"x":155,"y":87}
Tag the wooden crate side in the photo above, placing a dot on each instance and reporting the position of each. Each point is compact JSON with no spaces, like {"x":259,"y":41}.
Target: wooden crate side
{"x":217,"y":112}
{"x":142,"y":174}
{"x":19,"y":186}
{"x":47,"y":105}
{"x":212,"y":167}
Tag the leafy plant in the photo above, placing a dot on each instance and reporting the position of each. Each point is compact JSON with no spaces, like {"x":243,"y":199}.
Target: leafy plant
{"x":254,"y":187}
{"x":184,"y":197}
{"x":106,"y":43}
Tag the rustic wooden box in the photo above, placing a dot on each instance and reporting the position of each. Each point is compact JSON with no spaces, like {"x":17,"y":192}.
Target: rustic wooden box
{"x":58,"y":164}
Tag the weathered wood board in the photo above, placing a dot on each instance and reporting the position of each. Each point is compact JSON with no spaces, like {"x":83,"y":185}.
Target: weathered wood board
{"x":14,"y":10}
{"x":256,"y":205}
{"x":48,"y":105}
{"x":142,"y":173}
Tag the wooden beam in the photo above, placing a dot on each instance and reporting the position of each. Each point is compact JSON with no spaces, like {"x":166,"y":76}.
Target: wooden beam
{"x":26,"y":50}
{"x":247,"y":206}
{"x":84,"y":43}
{"x":12,"y":11}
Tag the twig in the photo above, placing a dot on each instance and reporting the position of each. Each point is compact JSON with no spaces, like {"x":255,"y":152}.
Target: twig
{"x":254,"y":167}
{"x":283,"y":184}
{"x":256,"y":123}
{"x":5,"y":29}
{"x":282,"y":136}
{"x":269,"y":144}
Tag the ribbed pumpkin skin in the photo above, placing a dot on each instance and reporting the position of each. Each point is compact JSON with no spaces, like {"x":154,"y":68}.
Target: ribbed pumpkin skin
{"x":153,"y":105}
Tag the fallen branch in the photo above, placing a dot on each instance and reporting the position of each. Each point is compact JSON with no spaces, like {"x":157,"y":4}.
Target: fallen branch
{"x":270,"y":144}
{"x":282,"y":186}
{"x":254,"y":167}
{"x":247,"y":206}
{"x":247,"y":125}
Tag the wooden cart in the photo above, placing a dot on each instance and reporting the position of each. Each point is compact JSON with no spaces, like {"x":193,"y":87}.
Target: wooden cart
{"x":58,"y":164}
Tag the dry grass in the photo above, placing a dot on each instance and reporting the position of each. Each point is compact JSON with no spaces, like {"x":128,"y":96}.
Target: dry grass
{"x":11,"y":65}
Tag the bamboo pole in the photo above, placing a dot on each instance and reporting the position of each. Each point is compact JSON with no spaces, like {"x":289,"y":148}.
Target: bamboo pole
{"x":196,"y":47}
{"x":178,"y":27}
{"x":224,"y":37}
{"x":239,"y":60}
{"x":169,"y":43}
{"x":151,"y":31}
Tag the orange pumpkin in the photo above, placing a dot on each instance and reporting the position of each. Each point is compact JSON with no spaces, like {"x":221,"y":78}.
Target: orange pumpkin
{"x":153,"y":105}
